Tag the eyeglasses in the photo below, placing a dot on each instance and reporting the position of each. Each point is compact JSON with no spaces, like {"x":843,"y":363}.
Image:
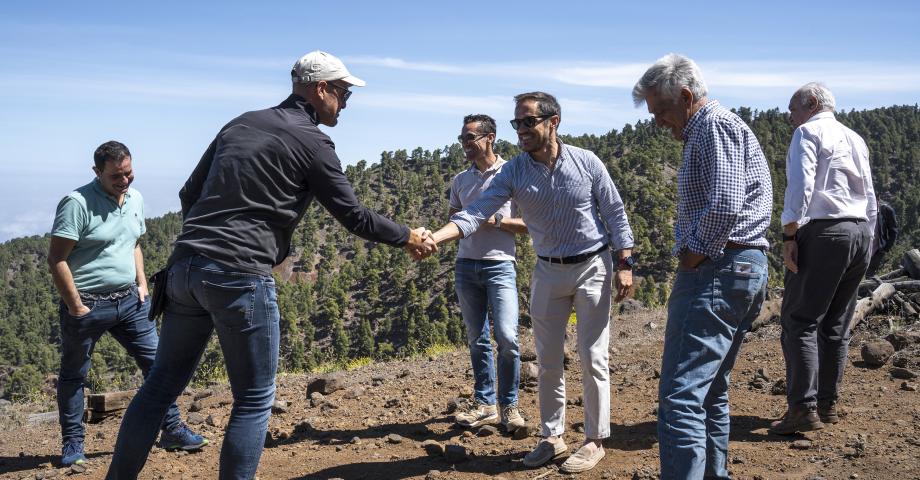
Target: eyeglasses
{"x":528,"y":122}
{"x":470,"y":137}
{"x":345,"y":92}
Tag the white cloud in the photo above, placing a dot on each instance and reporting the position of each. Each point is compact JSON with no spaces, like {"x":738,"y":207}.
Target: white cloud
{"x":868,"y":76}
{"x":24,"y":224}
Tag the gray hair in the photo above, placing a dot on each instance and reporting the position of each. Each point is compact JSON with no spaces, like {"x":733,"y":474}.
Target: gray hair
{"x":819,"y":92}
{"x":667,"y":76}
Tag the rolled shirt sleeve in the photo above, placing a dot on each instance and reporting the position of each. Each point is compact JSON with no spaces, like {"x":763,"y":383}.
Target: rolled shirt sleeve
{"x":473,"y":216}
{"x":610,"y":206}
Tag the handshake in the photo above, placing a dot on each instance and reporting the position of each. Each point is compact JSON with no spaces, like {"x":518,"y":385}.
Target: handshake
{"x":421,"y":243}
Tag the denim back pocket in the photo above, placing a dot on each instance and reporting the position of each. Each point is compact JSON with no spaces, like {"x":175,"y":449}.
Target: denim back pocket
{"x":230,"y":304}
{"x":738,"y":284}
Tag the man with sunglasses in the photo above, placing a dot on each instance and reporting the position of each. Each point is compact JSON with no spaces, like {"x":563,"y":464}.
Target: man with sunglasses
{"x":240,"y":207}
{"x":575,"y":216}
{"x":486,"y":283}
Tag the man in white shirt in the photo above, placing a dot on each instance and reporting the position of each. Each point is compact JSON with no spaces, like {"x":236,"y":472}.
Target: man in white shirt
{"x":828,"y":218}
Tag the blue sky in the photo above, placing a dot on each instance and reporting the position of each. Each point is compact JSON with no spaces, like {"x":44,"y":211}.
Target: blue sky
{"x":163,"y":77}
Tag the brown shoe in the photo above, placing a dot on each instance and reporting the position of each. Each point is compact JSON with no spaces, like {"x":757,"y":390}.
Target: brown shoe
{"x":827,"y":411}
{"x":800,"y":418}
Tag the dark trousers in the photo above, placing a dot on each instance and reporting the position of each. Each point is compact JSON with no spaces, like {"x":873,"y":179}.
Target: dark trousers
{"x":817,"y":307}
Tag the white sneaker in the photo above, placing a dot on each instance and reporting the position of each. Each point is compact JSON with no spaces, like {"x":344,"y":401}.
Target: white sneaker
{"x":480,"y":414}
{"x":544,"y":452}
{"x":511,"y":418}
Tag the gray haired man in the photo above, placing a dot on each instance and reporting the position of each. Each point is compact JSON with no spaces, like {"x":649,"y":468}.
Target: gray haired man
{"x":723,"y":211}
{"x":829,"y":216}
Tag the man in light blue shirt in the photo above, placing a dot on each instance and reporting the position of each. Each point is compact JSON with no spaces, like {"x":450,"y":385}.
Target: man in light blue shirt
{"x":575,"y":216}
{"x":486,"y":282}
{"x":98,"y":269}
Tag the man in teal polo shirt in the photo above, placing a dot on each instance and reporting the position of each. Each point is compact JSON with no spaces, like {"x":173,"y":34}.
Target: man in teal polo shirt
{"x":98,"y":269}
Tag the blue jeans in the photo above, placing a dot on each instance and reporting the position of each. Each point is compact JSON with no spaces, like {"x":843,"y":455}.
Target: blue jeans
{"x":709,"y":311}
{"x":482,"y":284}
{"x":126,"y":320}
{"x":203,"y":296}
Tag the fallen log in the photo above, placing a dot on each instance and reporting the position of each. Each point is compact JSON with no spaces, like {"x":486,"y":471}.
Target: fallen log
{"x":867,"y":305}
{"x":893,"y":274}
{"x":906,"y":285}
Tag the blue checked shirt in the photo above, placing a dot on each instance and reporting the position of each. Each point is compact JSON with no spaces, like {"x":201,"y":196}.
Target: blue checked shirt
{"x":572,"y":210}
{"x":723,"y":186}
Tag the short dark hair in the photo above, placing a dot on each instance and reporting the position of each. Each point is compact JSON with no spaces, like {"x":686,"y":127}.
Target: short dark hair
{"x":546,"y":103}
{"x":486,"y":123}
{"x":110,"y":151}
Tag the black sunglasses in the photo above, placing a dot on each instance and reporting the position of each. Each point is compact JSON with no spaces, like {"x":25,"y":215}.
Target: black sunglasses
{"x":528,"y":122}
{"x":345,"y":92}
{"x":470,"y":137}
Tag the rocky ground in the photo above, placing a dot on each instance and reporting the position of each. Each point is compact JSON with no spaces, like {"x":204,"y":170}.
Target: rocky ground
{"x":392,"y":421}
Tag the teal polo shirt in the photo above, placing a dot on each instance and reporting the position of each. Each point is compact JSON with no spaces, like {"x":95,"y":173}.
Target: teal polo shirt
{"x":103,"y":258}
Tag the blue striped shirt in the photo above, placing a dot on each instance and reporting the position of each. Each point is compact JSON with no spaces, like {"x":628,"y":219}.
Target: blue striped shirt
{"x":572,"y":210}
{"x":724,"y":188}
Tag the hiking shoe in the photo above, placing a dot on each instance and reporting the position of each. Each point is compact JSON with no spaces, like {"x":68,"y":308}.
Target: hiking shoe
{"x":181,"y":438}
{"x":801,"y":418}
{"x":827,"y":411}
{"x":480,"y":414}
{"x":544,"y":452}
{"x":511,"y":418}
{"x":583,"y":460}
{"x":72,"y":453}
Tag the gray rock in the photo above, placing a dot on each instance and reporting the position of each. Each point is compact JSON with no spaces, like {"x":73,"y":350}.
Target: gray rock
{"x":524,"y":432}
{"x":195,"y":418}
{"x":530,"y":371}
{"x":908,"y":387}
{"x":433,"y":447}
{"x":195,"y":406}
{"x":902,"y":373}
{"x":326,"y":384}
{"x":394,"y":438}
{"x":317,"y":399}
{"x":355,"y":393}
{"x":487,"y":431}
{"x":877,"y":352}
{"x":456,"y":453}
{"x":214,"y":421}
{"x":77,"y":468}
{"x":801,"y":444}
{"x":279,"y":407}
{"x":203,"y":394}
{"x":779,"y":388}
{"x":631,"y":305}
{"x":902,"y":340}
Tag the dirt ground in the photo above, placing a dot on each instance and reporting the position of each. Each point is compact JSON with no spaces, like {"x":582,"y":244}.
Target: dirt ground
{"x":351,"y":434}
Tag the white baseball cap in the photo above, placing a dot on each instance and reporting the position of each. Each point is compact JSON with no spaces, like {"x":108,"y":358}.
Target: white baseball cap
{"x":319,"y":65}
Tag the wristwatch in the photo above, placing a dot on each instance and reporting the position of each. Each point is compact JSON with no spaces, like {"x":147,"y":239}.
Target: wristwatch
{"x":626,"y":263}
{"x":498,"y":220}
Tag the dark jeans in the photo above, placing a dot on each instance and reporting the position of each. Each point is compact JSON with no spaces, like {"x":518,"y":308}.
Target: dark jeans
{"x":818,"y":304}
{"x":126,"y":320}
{"x":709,"y":311}
{"x":204,"y":296}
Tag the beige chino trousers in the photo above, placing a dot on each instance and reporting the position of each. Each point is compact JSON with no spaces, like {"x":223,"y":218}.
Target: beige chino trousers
{"x":554,"y":289}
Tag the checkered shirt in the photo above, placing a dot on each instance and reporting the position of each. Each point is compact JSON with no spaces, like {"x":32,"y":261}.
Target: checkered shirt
{"x":723,"y":186}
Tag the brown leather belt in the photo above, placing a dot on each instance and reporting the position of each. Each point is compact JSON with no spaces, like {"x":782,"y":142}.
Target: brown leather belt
{"x":739,"y":246}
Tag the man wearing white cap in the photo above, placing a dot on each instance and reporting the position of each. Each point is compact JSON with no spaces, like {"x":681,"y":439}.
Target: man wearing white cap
{"x":240,"y":207}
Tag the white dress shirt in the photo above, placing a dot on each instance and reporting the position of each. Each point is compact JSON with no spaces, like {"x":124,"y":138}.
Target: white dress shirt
{"x":827,"y":174}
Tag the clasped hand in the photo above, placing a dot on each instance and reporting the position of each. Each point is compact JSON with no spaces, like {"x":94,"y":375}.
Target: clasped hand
{"x":421,"y":243}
